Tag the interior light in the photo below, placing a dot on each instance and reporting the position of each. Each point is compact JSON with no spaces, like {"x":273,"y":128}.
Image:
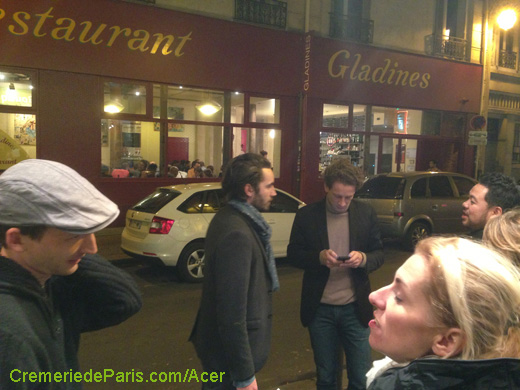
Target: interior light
{"x":272,"y":134}
{"x":506,"y":19}
{"x":113,"y":107}
{"x":209,"y":108}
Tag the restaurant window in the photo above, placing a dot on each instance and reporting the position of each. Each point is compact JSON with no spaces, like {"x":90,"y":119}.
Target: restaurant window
{"x":341,"y":146}
{"x":17,"y":118}
{"x":185,"y":125}
{"x":124,"y":98}
{"x":252,"y":140}
{"x":264,"y":110}
{"x":359,"y":117}
{"x":335,"y":115}
{"x":396,"y":120}
{"x":192,"y":104}
{"x":336,"y":143}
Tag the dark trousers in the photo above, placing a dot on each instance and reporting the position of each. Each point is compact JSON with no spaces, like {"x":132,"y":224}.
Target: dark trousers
{"x":334,"y":327}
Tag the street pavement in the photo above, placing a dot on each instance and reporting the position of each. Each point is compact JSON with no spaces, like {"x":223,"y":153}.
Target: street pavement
{"x":155,"y":340}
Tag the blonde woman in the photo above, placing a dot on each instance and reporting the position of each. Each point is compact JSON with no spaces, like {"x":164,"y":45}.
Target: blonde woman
{"x":503,"y":233}
{"x":449,"y":320}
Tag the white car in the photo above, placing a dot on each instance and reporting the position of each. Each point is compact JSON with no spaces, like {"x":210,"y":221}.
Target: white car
{"x":170,"y":225}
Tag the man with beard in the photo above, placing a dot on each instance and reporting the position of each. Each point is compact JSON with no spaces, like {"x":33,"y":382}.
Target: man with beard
{"x":494,"y":194}
{"x":232,"y":333}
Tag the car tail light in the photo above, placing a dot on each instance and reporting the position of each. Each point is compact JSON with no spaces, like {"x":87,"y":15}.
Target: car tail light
{"x":398,"y":214}
{"x":161,"y":225}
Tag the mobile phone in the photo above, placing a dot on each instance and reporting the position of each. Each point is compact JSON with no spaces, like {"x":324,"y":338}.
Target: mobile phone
{"x":342,"y":258}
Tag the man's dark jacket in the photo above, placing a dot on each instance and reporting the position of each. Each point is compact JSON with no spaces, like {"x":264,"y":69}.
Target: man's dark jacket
{"x":40,"y":327}
{"x":232,"y":332}
{"x":309,"y":237}
{"x":452,"y":374}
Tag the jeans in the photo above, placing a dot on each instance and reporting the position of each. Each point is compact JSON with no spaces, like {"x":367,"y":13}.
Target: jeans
{"x":334,"y":327}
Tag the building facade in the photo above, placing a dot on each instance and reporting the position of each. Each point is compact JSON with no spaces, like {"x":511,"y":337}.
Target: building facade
{"x":106,"y":86}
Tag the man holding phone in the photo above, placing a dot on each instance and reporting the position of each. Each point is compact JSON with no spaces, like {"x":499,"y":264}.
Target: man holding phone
{"x":337,"y":242}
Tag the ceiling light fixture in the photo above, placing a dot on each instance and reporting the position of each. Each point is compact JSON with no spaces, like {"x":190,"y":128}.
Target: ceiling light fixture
{"x":113,"y":107}
{"x":209,"y":108}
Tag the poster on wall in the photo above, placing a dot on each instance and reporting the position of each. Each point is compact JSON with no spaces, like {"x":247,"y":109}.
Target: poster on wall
{"x":25,"y":129}
{"x":172,"y":127}
{"x":10,"y":151}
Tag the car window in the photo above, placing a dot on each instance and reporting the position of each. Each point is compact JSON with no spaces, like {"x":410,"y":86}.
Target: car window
{"x":463,"y":184}
{"x":382,"y":187}
{"x":418,"y":189}
{"x":283,"y":203}
{"x":212,"y":203}
{"x":156,"y":201}
{"x":193,"y":204}
{"x":440,"y":187}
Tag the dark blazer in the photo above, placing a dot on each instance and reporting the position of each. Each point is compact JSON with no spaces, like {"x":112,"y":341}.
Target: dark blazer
{"x":232,"y":332}
{"x":309,"y":237}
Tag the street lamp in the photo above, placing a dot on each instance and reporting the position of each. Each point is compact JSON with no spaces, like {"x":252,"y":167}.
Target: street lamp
{"x":506,"y":19}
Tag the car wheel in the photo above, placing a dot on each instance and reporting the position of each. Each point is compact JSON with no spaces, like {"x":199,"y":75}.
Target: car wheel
{"x":416,"y":232}
{"x":191,"y":263}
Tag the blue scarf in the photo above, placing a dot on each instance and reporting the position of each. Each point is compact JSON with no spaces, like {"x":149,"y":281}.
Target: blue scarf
{"x":263,"y":230}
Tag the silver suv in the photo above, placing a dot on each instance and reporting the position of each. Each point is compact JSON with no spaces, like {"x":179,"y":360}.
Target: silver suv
{"x":413,"y":205}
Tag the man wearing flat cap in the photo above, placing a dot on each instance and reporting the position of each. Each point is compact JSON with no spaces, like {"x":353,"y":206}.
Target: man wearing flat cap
{"x":53,"y":286}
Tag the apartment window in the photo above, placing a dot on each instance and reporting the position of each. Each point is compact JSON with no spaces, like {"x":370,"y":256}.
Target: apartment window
{"x":347,"y":21}
{"x":507,"y":57}
{"x":450,"y":38}
{"x":17,"y":118}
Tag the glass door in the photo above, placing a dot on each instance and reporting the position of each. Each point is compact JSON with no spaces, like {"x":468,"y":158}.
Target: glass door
{"x":396,"y":154}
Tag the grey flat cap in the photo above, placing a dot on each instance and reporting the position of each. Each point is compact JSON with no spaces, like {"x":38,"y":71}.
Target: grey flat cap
{"x":43,"y":192}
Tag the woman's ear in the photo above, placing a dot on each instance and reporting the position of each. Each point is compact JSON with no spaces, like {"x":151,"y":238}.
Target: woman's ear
{"x":449,"y":343}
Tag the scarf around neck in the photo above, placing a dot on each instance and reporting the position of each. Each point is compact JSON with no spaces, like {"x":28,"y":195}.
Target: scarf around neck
{"x":263,"y":230}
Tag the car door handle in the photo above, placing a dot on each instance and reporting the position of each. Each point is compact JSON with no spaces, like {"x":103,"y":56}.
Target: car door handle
{"x":435,"y":207}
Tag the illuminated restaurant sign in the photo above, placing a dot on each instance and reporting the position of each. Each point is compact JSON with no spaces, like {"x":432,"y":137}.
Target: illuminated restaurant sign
{"x":47,"y":25}
{"x":344,"y":71}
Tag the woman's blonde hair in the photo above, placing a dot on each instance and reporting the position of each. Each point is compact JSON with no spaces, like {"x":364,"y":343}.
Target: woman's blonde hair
{"x":477,"y":290}
{"x":503,"y":233}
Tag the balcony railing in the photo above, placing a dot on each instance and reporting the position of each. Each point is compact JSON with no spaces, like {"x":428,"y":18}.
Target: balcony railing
{"x":446,"y":46}
{"x":350,"y":28}
{"x":507,"y":59}
{"x":268,"y":12}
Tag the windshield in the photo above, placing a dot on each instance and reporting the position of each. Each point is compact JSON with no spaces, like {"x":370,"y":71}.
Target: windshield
{"x":382,"y":187}
{"x":156,"y":201}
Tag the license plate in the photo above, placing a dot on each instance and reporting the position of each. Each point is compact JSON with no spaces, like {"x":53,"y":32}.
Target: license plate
{"x":135,"y":224}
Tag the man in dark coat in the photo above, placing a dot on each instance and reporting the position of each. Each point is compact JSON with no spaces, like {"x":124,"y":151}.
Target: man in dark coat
{"x":337,"y":242}
{"x":232,"y":333}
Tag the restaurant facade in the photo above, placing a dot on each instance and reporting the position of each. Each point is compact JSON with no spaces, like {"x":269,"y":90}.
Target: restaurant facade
{"x":103,"y":85}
